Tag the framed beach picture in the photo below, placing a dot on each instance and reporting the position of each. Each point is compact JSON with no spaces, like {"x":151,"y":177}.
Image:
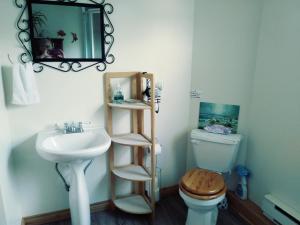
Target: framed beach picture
{"x":221,"y":114}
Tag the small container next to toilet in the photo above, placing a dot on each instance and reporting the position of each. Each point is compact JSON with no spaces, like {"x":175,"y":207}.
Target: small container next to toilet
{"x":242,"y":190}
{"x":214,"y":154}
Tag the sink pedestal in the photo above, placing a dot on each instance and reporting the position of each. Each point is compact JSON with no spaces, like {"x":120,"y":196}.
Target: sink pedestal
{"x":79,"y":196}
{"x":74,"y":153}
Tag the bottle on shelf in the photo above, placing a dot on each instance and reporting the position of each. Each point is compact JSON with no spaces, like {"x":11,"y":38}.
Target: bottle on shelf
{"x":118,"y":96}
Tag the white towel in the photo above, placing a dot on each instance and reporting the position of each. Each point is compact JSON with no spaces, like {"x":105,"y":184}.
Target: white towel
{"x":24,"y":90}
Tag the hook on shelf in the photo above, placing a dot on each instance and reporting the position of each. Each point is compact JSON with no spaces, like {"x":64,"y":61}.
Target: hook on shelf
{"x":8,"y":56}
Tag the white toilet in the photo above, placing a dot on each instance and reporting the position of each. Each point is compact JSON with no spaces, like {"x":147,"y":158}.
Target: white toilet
{"x":202,"y":188}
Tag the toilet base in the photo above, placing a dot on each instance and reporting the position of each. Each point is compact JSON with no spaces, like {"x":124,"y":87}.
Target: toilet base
{"x":202,"y":217}
{"x":201,"y":212}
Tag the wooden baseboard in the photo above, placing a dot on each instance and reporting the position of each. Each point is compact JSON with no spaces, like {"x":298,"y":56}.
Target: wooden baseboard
{"x":247,"y":210}
{"x":96,"y":207}
{"x":62,"y":214}
{"x":167,"y":191}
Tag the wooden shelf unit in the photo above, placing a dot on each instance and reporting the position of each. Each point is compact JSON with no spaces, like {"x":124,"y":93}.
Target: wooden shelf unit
{"x":136,"y":172}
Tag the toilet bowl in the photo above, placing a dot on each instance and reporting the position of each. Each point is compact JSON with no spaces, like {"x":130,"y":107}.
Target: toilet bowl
{"x":203,"y":188}
{"x":202,"y":191}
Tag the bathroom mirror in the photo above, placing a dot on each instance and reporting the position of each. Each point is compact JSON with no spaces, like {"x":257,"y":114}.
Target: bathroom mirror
{"x":61,"y":34}
{"x":66,"y":31}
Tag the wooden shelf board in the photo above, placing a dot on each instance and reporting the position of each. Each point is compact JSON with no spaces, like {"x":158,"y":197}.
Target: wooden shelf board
{"x":126,"y":105}
{"x":131,"y":140}
{"x":132,"y":172}
{"x":135,"y":204}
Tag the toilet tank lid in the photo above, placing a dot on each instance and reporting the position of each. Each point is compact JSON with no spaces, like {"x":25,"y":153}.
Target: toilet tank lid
{"x":198,"y":134}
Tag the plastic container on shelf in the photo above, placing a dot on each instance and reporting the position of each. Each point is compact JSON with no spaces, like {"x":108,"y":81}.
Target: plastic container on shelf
{"x":118,"y":96}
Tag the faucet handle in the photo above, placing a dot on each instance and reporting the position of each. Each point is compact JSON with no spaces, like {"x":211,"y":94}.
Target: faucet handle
{"x":73,"y":127}
{"x":66,"y":128}
{"x":80,"y":128}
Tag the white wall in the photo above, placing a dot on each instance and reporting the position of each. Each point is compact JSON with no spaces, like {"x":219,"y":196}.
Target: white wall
{"x":153,"y":36}
{"x":274,"y":143}
{"x":2,"y":212}
{"x":8,"y":203}
{"x":224,"y":50}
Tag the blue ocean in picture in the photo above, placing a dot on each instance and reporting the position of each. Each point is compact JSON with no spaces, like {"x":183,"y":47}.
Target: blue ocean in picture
{"x":222,"y":114}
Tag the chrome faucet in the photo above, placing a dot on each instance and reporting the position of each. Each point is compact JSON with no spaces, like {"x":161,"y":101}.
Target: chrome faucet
{"x":73,"y":128}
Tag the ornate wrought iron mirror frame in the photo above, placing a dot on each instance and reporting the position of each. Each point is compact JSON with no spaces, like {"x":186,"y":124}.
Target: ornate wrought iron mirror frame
{"x":65,"y":66}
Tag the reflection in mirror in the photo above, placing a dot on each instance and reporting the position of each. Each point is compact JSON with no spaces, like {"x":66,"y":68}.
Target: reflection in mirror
{"x":66,"y":31}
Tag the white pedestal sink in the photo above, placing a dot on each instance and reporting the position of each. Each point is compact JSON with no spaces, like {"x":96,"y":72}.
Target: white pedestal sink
{"x":74,"y":150}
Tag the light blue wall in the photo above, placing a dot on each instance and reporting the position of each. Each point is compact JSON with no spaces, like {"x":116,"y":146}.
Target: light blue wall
{"x":224,"y":52}
{"x":274,"y":144}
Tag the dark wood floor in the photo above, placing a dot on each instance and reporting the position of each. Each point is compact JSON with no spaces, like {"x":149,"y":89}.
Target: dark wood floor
{"x":169,"y":211}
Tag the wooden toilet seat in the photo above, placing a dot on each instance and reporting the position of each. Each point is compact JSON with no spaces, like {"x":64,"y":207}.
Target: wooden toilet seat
{"x":202,"y":184}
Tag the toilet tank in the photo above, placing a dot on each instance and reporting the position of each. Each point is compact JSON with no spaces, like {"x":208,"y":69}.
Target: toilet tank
{"x":215,"y":152}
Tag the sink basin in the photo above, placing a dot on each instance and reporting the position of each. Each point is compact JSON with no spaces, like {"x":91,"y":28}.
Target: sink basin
{"x":74,"y":152}
{"x":58,"y":147}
